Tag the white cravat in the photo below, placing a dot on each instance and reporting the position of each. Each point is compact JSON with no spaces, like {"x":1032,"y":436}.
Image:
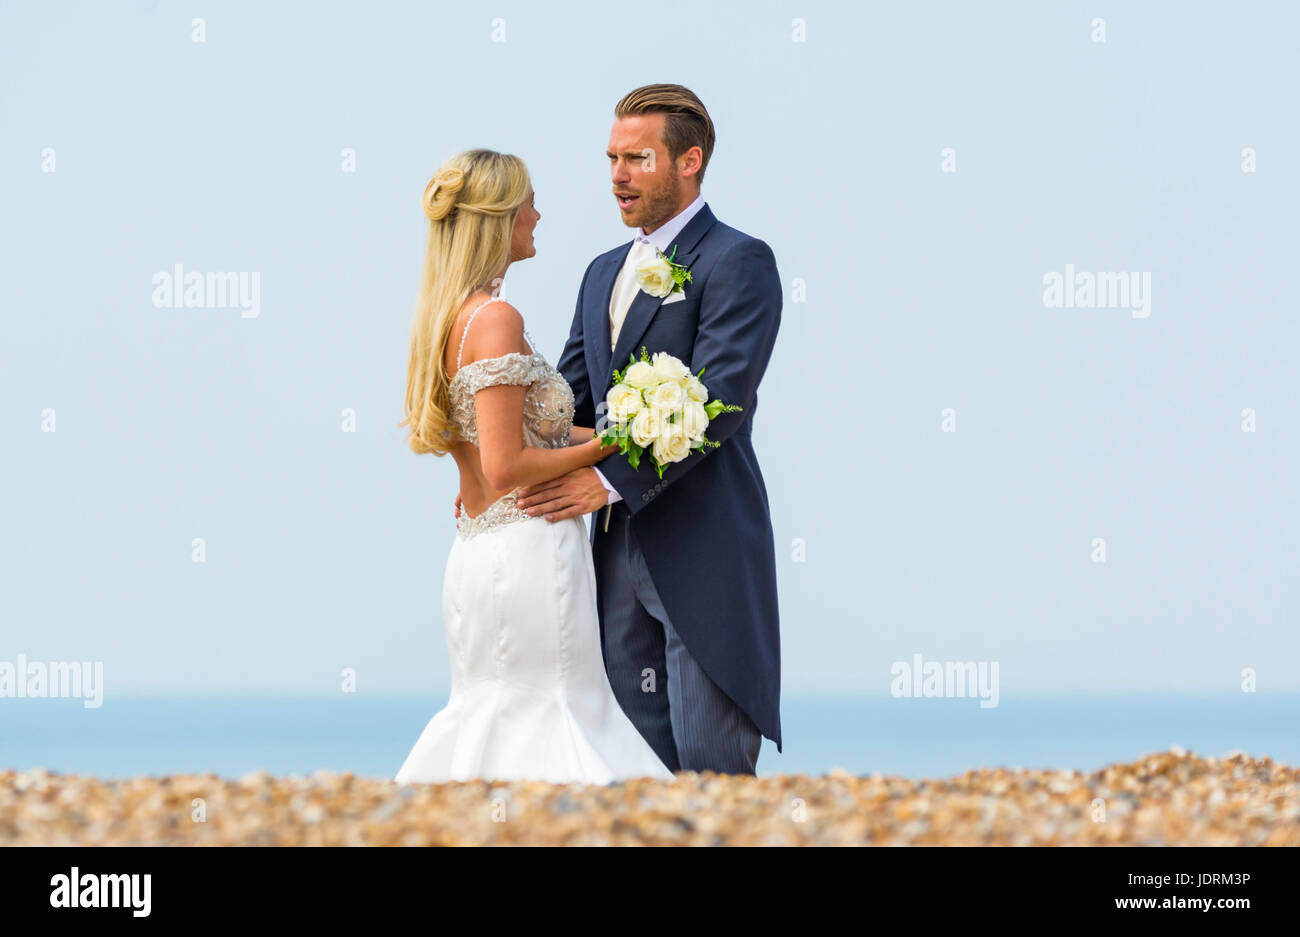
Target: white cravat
{"x":625,"y":287}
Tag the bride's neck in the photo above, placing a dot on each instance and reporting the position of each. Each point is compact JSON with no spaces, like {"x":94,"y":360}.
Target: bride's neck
{"x":496,"y":281}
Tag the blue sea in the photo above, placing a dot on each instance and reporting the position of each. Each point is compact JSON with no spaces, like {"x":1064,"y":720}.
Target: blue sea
{"x":910,"y":737}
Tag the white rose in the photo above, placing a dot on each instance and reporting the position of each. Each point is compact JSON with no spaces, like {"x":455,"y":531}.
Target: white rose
{"x":668,"y":396}
{"x":670,"y":424}
{"x":695,"y":389}
{"x":669,"y":368}
{"x":641,"y":375}
{"x":671,"y":446}
{"x":624,"y":401}
{"x":655,"y":277}
{"x":660,"y":420}
{"x":643,"y":429}
{"x":694,"y":420}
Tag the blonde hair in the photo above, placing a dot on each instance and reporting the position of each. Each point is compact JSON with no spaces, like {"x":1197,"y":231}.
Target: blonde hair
{"x":471,"y":203}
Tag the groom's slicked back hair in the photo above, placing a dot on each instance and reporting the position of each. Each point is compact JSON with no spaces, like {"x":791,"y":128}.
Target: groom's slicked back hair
{"x":686,"y":124}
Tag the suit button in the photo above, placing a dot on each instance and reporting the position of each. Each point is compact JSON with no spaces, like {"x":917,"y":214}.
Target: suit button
{"x":645,"y":496}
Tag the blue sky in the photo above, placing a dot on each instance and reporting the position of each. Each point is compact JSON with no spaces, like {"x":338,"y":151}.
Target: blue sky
{"x":924,"y":291}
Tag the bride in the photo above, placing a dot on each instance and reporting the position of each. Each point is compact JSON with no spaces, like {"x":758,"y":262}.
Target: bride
{"x":529,"y":694}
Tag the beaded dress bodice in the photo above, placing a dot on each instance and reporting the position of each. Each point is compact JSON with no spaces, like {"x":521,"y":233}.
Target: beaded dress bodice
{"x":548,"y":412}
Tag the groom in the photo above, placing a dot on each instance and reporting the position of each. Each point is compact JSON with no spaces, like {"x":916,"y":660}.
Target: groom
{"x":685,"y":566}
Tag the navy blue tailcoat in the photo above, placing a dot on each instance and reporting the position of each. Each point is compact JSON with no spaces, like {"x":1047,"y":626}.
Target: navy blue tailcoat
{"x":705,"y":529}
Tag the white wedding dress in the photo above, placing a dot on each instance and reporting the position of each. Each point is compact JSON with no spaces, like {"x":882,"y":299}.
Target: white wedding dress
{"x":529,"y":694}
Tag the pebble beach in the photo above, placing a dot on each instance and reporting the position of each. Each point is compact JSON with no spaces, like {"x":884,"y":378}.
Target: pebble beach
{"x":1166,"y":798}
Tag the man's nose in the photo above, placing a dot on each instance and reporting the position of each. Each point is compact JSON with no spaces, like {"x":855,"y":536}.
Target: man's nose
{"x":618,"y":171}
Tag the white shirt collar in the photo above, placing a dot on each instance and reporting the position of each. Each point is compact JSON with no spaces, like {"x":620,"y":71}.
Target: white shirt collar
{"x":663,"y":236}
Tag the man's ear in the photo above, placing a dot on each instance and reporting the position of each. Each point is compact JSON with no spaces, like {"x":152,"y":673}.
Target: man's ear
{"x":688,"y":164}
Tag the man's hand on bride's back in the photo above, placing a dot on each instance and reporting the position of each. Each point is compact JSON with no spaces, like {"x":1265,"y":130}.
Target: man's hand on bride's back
{"x":579,"y":492}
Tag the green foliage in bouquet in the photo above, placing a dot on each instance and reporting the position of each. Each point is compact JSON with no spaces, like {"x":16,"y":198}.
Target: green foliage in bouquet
{"x":620,"y":433}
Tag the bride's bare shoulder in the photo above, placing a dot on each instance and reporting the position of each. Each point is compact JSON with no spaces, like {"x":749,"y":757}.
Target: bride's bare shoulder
{"x":495,"y":329}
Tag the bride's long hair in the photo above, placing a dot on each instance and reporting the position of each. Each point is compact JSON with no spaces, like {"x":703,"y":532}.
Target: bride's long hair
{"x":471,"y":203}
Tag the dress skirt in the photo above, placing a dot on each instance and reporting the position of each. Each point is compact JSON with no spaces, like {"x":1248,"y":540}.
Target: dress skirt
{"x":529,"y":695}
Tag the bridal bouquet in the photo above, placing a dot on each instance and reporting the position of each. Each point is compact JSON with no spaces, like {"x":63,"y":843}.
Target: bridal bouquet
{"x":658,"y":404}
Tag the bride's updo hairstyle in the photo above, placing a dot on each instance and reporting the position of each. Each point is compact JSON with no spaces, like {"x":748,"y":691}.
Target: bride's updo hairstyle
{"x":471,"y":203}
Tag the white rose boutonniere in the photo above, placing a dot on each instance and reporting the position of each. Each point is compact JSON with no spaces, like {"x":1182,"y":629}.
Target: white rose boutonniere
{"x":661,"y":276}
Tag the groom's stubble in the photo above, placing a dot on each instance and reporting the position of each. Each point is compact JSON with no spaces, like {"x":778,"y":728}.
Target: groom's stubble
{"x":660,"y":202}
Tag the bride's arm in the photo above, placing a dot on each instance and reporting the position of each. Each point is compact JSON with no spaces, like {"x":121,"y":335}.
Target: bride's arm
{"x":581,"y":434}
{"x":507,"y":462}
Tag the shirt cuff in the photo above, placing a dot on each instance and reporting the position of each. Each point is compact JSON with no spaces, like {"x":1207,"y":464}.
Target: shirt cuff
{"x":613,"y":494}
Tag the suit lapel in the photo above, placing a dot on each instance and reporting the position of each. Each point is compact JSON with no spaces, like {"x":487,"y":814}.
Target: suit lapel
{"x":644,"y":306}
{"x":638,"y":317}
{"x":596,"y":323}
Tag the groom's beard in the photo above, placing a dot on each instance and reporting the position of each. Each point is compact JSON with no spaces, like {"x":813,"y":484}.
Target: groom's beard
{"x":659,"y":205}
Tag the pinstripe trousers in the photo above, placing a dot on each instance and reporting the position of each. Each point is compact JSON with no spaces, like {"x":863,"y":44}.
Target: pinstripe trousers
{"x":690,"y":723}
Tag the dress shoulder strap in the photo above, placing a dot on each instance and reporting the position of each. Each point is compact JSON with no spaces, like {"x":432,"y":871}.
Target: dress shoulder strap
{"x":465,"y":334}
{"x":532,"y":345}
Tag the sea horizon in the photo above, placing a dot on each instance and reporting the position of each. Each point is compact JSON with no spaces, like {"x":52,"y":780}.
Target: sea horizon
{"x":370,"y":736}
